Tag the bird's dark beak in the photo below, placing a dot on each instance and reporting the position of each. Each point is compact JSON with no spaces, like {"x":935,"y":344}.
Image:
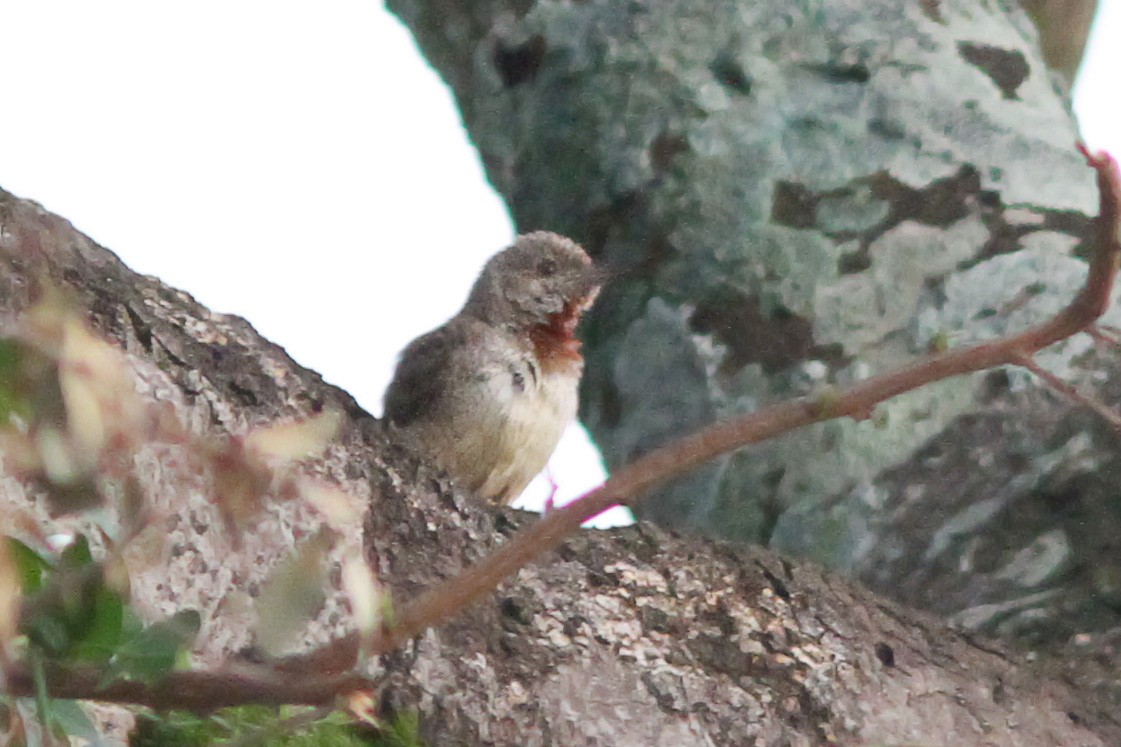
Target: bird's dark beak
{"x":595,"y":276}
{"x":601,"y":274}
{"x":590,"y":281}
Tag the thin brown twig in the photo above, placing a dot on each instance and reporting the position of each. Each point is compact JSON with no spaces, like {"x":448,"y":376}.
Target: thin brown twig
{"x":200,"y":690}
{"x":1104,"y":335}
{"x":1113,"y":330}
{"x":1071,"y":393}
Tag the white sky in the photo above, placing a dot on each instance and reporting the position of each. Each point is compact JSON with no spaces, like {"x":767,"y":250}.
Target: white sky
{"x":297,"y":164}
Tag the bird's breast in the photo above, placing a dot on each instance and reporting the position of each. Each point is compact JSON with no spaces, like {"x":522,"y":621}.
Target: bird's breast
{"x":528,"y":421}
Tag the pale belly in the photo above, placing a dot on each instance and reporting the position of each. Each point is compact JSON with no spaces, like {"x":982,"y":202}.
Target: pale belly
{"x":532,"y":424}
{"x":502,"y":436}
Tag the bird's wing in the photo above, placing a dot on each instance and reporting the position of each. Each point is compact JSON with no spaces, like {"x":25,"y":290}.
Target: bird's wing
{"x":423,"y":374}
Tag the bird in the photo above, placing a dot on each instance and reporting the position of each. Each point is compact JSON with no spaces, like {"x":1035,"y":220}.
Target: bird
{"x":487,"y":395}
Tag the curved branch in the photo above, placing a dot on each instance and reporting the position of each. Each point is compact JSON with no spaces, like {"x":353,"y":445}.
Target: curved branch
{"x":628,"y":485}
{"x":207,"y":690}
{"x":199,"y":691}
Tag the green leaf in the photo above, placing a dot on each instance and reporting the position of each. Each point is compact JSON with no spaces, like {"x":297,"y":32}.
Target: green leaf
{"x":10,"y":356}
{"x":132,"y":625}
{"x":75,"y":614}
{"x":261,"y":725}
{"x":42,"y":700}
{"x":77,"y":554}
{"x":150,"y":655}
{"x":292,"y":594}
{"x":48,"y":631}
{"x":13,"y":397}
{"x":32,"y":566}
{"x":69,"y":717}
{"x":403,"y":731}
{"x":106,"y":625}
{"x":75,"y":598}
{"x":61,"y":718}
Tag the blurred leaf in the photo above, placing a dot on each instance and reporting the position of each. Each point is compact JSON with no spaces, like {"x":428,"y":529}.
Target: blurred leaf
{"x":151,"y":654}
{"x":297,"y":440}
{"x":22,"y":521}
{"x":826,"y":402}
{"x":70,"y":471}
{"x":404,"y":730}
{"x":13,"y":391}
{"x":362,"y":707}
{"x":77,"y":554}
{"x":21,"y":456}
{"x":13,"y":728}
{"x":258,"y":725}
{"x":148,"y":549}
{"x":75,"y":606}
{"x":10,"y":356}
{"x":241,"y":480}
{"x":40,"y":678}
{"x":106,"y":625}
{"x":31,"y":565}
{"x":361,"y":586}
{"x":336,"y":506}
{"x":131,"y":625}
{"x":49,"y":632}
{"x":172,"y":729}
{"x":101,"y":402}
{"x":28,"y":383}
{"x":116,"y":577}
{"x":292,"y":595}
{"x":75,"y":398}
{"x":70,"y":718}
{"x":9,"y":595}
{"x":60,"y":718}
{"x":388,"y":614}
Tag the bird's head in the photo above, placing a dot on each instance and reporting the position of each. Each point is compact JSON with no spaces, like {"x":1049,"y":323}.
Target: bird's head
{"x":543,"y":281}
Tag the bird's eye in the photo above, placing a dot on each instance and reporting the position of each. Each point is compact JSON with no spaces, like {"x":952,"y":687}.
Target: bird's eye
{"x":517,"y":379}
{"x":547,"y":267}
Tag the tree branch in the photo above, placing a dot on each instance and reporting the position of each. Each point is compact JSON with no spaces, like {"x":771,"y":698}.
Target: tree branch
{"x":628,"y":485}
{"x":207,"y":690}
{"x":199,"y":691}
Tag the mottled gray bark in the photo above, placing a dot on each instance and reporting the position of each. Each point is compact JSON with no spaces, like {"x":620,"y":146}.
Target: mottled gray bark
{"x":630,"y":637}
{"x":803,"y":194}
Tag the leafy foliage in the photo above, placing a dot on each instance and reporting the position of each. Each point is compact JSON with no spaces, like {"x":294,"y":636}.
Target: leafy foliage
{"x":179,"y":729}
{"x":71,"y":424}
{"x":76,"y":617}
{"x":150,"y":653}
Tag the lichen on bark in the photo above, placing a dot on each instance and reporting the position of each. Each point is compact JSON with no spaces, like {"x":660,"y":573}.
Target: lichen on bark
{"x":800,"y":195}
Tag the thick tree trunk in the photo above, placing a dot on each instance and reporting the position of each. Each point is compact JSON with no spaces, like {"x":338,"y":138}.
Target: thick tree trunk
{"x":630,"y":637}
{"x":803,"y":194}
{"x":800,"y":196}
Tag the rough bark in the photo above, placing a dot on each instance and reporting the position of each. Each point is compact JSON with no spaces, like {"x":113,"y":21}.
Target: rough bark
{"x":631,"y":637}
{"x":801,"y":195}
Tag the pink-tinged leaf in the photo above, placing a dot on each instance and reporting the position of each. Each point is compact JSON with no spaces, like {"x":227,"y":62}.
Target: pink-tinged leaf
{"x":336,"y":507}
{"x":362,"y":707}
{"x":296,"y":440}
{"x":101,"y":401}
{"x":364,"y":591}
{"x":292,"y":595}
